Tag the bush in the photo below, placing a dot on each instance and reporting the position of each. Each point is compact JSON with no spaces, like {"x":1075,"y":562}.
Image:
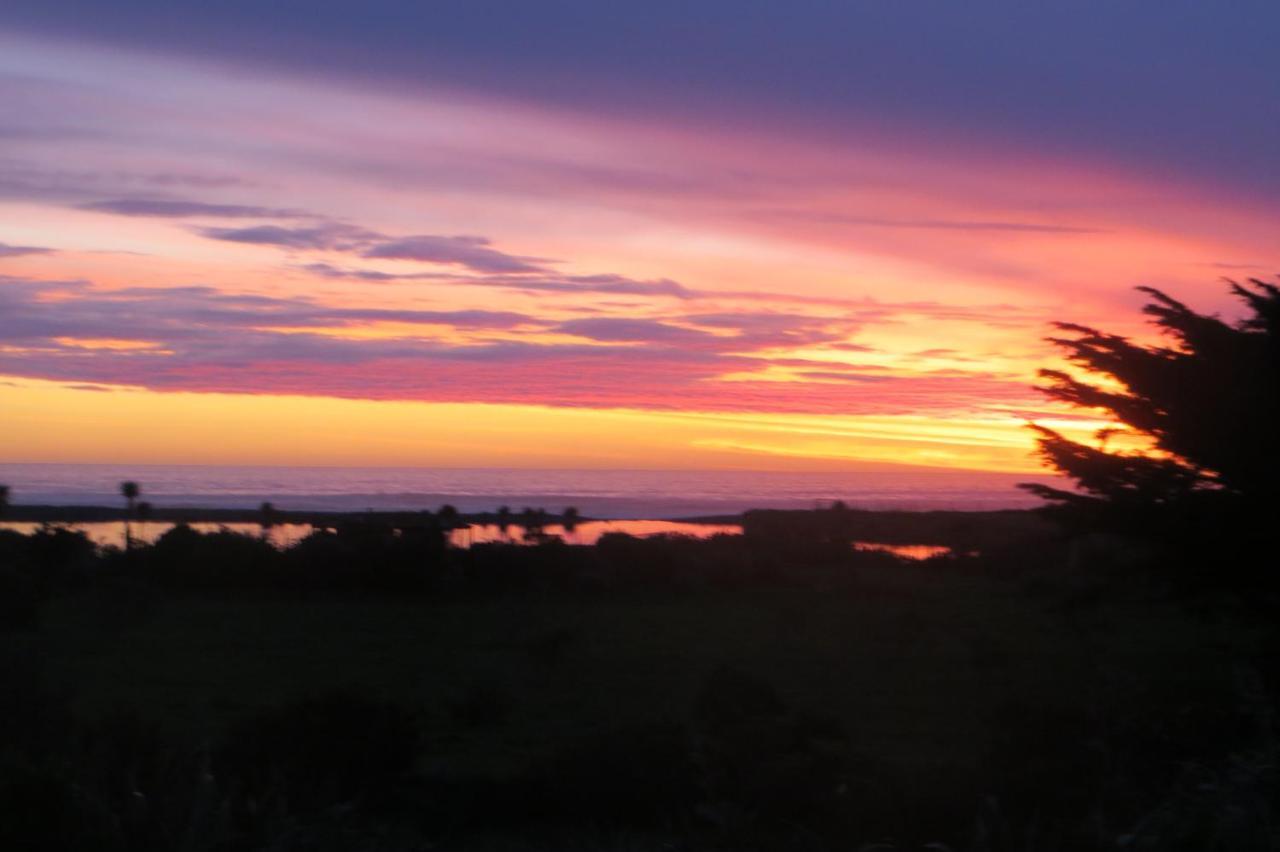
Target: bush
{"x":185,"y":558}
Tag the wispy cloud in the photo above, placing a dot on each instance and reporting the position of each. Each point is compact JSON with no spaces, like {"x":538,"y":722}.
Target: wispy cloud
{"x":472,"y":252}
{"x":202,"y":339}
{"x":626,"y":330}
{"x":328,"y":236}
{"x":31,"y":179}
{"x":545,"y":283}
{"x":7,"y":250}
{"x":182,"y":209}
{"x":911,"y":224}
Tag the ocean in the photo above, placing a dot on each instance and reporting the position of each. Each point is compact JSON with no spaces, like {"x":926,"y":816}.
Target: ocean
{"x":622,"y":494}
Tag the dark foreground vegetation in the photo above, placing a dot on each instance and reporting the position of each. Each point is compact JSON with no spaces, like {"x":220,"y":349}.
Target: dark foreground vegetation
{"x":371,"y":689}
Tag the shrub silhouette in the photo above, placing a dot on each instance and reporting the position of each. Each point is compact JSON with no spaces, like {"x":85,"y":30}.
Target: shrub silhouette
{"x":373,"y":557}
{"x":61,"y":550}
{"x":190,"y":559}
{"x":51,"y":559}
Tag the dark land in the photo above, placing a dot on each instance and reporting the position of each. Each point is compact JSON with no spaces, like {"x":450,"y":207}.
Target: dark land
{"x":373,"y":689}
{"x":958,"y":529}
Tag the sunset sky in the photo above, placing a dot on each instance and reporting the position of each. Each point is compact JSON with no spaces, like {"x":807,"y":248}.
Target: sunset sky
{"x":787,"y":235}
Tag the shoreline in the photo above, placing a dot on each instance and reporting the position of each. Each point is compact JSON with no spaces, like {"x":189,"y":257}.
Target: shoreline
{"x":966,"y":529}
{"x":38,"y":513}
{"x":50,"y":513}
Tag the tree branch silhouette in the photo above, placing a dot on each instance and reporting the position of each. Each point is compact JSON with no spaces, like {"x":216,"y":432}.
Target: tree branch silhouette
{"x":1207,"y":402}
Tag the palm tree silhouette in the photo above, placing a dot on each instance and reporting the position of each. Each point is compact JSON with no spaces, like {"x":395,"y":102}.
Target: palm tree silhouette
{"x":4,"y":500}
{"x":130,"y":491}
{"x":504,"y":521}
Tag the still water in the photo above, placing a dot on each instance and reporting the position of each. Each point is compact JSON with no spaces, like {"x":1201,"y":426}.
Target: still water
{"x":111,"y":533}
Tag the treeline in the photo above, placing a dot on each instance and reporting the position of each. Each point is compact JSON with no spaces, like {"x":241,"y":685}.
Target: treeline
{"x":414,"y":560}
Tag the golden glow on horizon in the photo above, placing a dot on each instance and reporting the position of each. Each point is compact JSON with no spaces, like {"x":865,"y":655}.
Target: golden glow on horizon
{"x":46,"y":423}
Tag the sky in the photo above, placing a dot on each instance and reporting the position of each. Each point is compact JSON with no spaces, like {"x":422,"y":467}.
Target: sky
{"x":804,"y":235}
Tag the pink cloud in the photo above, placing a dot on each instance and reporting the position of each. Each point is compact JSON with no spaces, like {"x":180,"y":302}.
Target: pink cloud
{"x":203,"y":339}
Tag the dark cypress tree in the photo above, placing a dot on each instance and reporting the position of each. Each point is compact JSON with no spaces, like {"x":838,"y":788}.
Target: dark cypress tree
{"x":1205,"y":405}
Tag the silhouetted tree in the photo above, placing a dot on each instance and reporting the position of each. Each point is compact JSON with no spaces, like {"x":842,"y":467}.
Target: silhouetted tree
{"x":450,"y":519}
{"x":1206,"y":404}
{"x":266,"y":519}
{"x":504,"y":520}
{"x":130,"y":491}
{"x":4,"y":500}
{"x":570,"y":519}
{"x":533,"y":521}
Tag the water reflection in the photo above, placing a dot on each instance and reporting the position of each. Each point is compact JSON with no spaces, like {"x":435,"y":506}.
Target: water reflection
{"x":915,"y":552}
{"x":111,"y":533}
{"x":588,"y":532}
